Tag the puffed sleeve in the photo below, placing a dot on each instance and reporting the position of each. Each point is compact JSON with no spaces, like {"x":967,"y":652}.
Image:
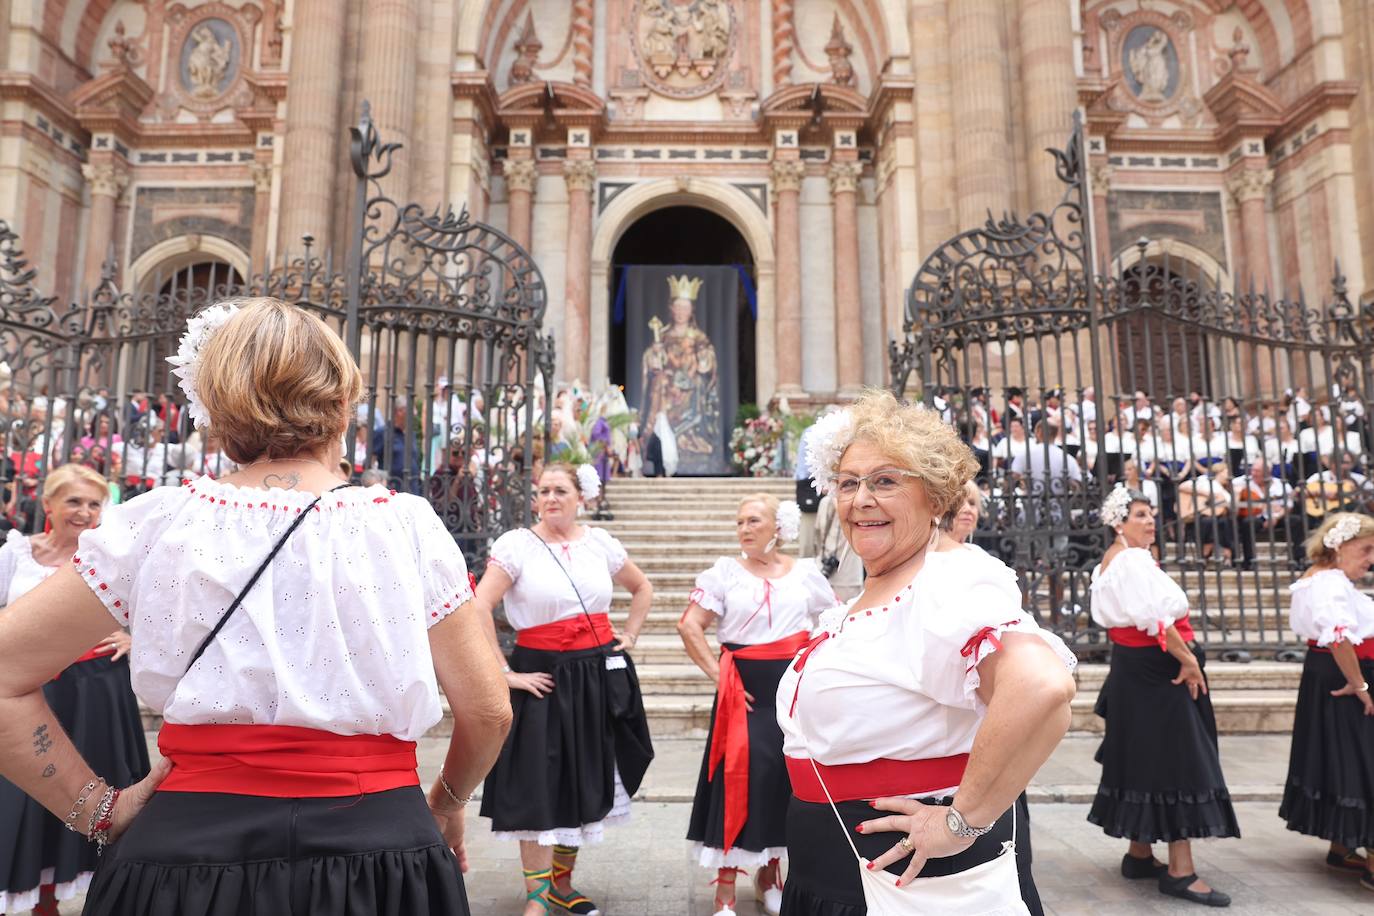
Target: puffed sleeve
{"x":819,"y":595}
{"x":712,"y":586}
{"x":1329,"y":608}
{"x":9,"y":557}
{"x":443,"y":572}
{"x":976,"y":603}
{"x":1145,"y":593}
{"x":506,"y":553}
{"x":613,"y":550}
{"x":110,"y":558}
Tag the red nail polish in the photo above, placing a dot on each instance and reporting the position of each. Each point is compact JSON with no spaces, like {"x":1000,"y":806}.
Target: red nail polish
{"x":858,"y":828}
{"x":869,"y":866}
{"x":872,"y":804}
{"x":899,"y":882}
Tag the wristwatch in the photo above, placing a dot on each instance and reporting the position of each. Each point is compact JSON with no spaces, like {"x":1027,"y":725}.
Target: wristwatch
{"x":959,"y":827}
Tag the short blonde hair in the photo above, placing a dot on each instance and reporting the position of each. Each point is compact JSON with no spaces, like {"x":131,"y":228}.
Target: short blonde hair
{"x":770,"y":502}
{"x":1316,"y":548}
{"x":69,"y":475}
{"x":276,"y":382}
{"x":917,"y":440}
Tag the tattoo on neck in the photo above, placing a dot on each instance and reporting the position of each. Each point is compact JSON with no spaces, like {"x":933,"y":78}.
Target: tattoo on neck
{"x":42,"y":741}
{"x":282,"y":481}
{"x":49,"y":771}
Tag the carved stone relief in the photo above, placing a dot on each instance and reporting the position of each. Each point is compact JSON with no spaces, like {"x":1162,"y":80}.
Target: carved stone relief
{"x":684,"y":46}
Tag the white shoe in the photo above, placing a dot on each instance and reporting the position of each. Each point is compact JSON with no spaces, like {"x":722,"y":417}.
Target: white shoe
{"x":725,"y":910}
{"x":769,"y":898}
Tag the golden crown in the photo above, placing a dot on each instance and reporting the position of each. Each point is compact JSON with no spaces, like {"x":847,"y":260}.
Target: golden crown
{"x":684,"y":287}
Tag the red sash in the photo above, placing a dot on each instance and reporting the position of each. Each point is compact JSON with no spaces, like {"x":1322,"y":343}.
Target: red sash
{"x":730,"y":739}
{"x":281,"y":761}
{"x":1364,"y":650}
{"x":874,"y":779}
{"x":567,"y":635}
{"x":1131,"y":636}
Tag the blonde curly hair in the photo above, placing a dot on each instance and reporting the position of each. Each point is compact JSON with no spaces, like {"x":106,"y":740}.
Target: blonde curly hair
{"x":1315,"y":546}
{"x":918,"y":440}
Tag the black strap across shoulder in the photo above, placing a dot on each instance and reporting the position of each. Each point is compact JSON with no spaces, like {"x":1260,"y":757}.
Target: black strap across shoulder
{"x":281,"y":542}
{"x":585,"y":613}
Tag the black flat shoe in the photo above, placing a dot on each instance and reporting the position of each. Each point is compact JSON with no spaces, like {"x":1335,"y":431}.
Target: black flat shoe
{"x":1134,"y":867}
{"x":1367,"y":881}
{"x":1351,"y":861}
{"x":1178,"y":887}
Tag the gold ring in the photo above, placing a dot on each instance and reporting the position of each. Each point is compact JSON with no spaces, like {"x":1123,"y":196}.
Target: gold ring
{"x":905,"y":843}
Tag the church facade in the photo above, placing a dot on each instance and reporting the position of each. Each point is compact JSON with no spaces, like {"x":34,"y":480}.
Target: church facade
{"x":836,"y":143}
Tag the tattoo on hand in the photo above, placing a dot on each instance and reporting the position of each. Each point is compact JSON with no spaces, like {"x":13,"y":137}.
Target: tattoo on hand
{"x":282,"y":481}
{"x":42,"y":742}
{"x":49,"y":771}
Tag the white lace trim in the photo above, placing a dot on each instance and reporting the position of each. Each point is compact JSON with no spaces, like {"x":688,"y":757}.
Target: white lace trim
{"x":21,"y":901}
{"x":710,"y":857}
{"x":586,"y":835}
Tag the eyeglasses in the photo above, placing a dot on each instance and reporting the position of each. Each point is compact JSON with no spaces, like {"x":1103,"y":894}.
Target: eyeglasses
{"x":882,"y":484}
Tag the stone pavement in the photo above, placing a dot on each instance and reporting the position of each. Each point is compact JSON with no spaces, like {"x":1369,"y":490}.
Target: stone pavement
{"x":644,"y":868}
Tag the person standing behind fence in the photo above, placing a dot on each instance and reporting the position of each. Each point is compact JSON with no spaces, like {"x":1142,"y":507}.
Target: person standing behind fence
{"x":580,"y":743}
{"x":764,"y":605}
{"x":1329,"y":792}
{"x":1161,"y":773}
{"x":292,"y":632}
{"x":41,"y":863}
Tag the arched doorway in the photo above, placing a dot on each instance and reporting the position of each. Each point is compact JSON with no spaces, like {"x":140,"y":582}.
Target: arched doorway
{"x":685,"y":235}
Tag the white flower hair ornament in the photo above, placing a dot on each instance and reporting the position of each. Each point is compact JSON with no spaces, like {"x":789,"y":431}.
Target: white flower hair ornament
{"x":199,"y":329}
{"x":789,"y":520}
{"x":588,"y":481}
{"x":1344,"y":530}
{"x":1116,"y":507}
{"x":824,"y":447}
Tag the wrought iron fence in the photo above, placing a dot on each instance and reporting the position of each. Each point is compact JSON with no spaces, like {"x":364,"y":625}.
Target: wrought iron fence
{"x":1244,"y":416}
{"x":443,"y":313}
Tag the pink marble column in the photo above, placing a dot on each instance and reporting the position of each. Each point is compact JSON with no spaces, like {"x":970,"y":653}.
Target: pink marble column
{"x":1100,"y":176}
{"x":787,"y":179}
{"x":580,"y":175}
{"x":849,"y":349}
{"x":262,"y":213}
{"x":387,"y":73}
{"x":107,"y":182}
{"x":1250,"y":188}
{"x":521,"y":175}
{"x":313,"y":87}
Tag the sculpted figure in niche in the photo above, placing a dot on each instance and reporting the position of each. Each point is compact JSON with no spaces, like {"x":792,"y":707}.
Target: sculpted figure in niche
{"x":680,"y":377}
{"x":714,"y":25}
{"x":208,"y":63}
{"x":660,"y":38}
{"x":1149,"y":65}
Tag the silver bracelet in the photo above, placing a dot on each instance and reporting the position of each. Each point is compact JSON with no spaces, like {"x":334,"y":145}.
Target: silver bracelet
{"x":448,"y":790}
{"x":70,"y":822}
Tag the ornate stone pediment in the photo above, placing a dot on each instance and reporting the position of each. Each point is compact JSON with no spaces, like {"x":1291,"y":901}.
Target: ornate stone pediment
{"x":684,"y":47}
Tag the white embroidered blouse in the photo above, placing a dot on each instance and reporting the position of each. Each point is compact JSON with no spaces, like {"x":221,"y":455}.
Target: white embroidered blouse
{"x":334,"y":634}
{"x":900,"y":681}
{"x":1326,"y":607}
{"x":1135,"y":592}
{"x":751,"y":609}
{"x":20,"y":573}
{"x":541,"y":592}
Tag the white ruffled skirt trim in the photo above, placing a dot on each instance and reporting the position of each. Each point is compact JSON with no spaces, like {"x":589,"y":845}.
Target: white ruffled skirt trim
{"x":586,"y":835}
{"x":23,"y":901}
{"x":710,"y":857}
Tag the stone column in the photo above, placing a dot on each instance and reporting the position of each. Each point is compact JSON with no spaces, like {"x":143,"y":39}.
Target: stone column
{"x":1100,"y":178}
{"x":580,"y":175}
{"x":849,"y":348}
{"x":1250,"y":188}
{"x":387,"y":73}
{"x":583,"y":34}
{"x":262,"y":213}
{"x":1049,"y":93}
{"x":107,"y":182}
{"x":313,"y":87}
{"x":787,"y":179}
{"x":784,"y":38}
{"x":977,"y":44}
{"x":521,"y":175}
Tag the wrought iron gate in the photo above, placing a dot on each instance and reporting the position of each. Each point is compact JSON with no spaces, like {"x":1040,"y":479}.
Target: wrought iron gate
{"x":1067,"y":380}
{"x":443,"y":313}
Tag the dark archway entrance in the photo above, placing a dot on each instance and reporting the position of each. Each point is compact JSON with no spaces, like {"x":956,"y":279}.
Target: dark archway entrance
{"x":685,"y":235}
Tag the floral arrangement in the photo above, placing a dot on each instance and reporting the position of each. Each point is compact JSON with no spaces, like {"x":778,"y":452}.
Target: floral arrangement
{"x":824,"y":447}
{"x":1344,"y":530}
{"x":789,"y":520}
{"x":588,"y":481}
{"x":1116,"y":507}
{"x":199,"y":329}
{"x":754,"y":445}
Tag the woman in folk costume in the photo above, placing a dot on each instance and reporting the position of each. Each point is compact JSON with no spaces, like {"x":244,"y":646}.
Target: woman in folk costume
{"x":40,"y":863}
{"x":1161,"y":773}
{"x":932,"y":696}
{"x":290,"y":632}
{"x":1330,"y":787}
{"x":580,"y":743}
{"x":764,"y":604}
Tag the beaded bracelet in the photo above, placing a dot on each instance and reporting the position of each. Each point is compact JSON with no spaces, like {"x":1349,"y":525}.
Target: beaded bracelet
{"x":103,"y":820}
{"x":70,"y":822}
{"x":443,"y":781}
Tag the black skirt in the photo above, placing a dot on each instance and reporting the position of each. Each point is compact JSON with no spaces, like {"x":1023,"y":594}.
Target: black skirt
{"x":823,"y":876}
{"x":1161,"y":771}
{"x":1330,"y":788}
{"x":565,"y":751}
{"x":764,"y":835}
{"x":208,"y":854}
{"x":97,"y":708}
